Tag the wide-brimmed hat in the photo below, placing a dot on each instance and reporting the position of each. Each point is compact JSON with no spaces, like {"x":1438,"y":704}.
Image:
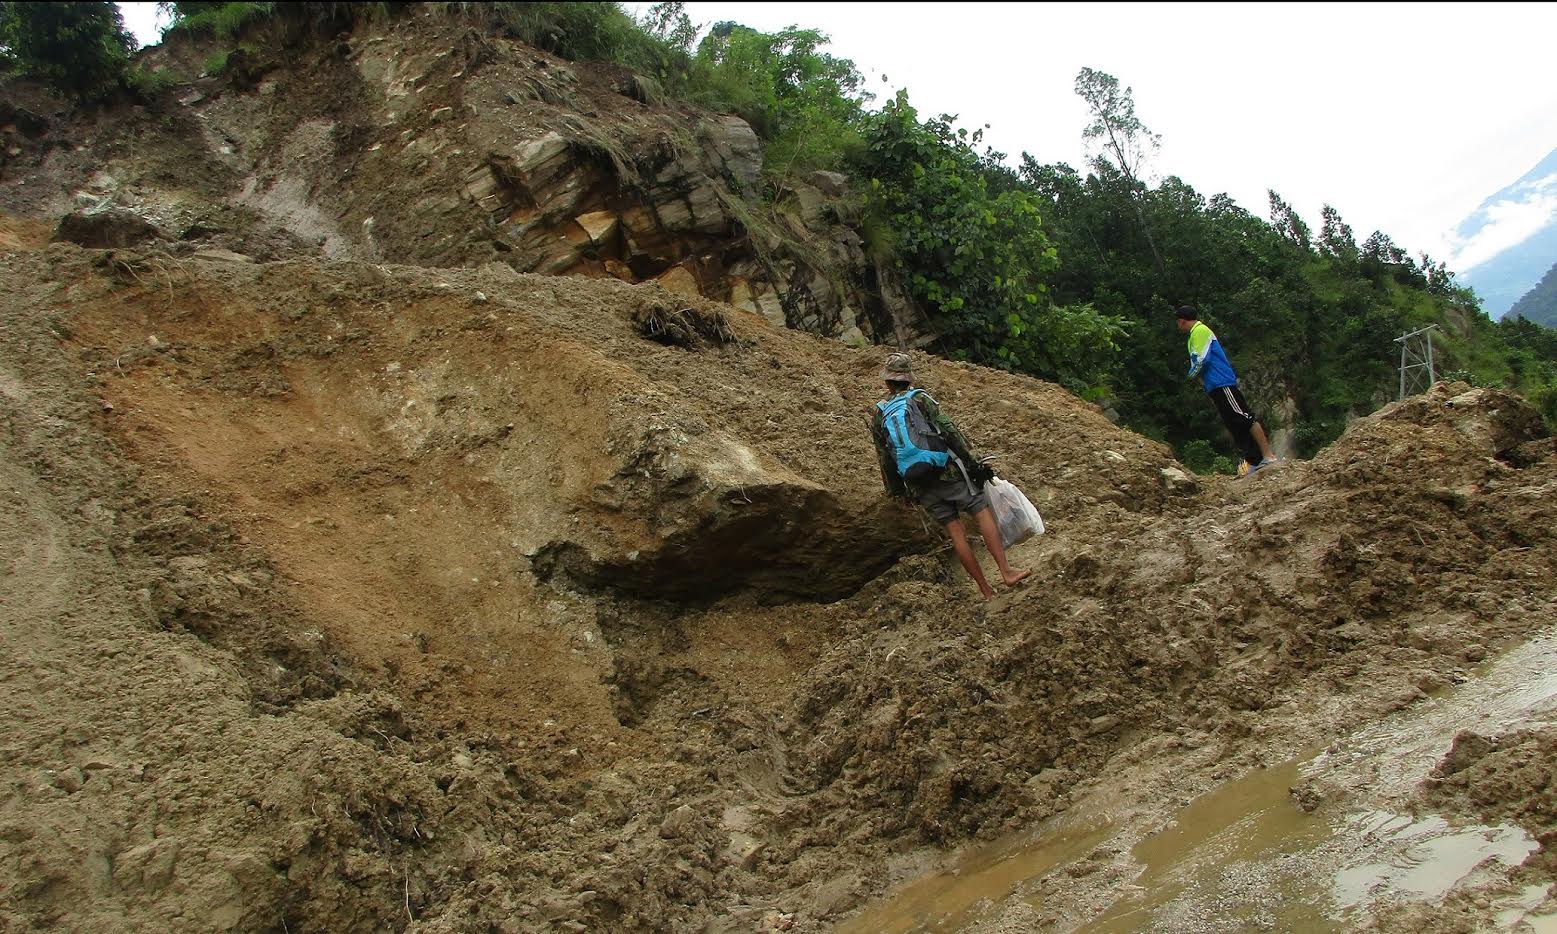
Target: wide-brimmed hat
{"x":898,"y":369}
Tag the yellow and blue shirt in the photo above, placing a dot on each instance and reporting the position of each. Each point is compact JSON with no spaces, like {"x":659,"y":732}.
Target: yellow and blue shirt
{"x":1207,"y":360}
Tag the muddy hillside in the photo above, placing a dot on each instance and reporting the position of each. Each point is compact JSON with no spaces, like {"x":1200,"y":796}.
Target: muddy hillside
{"x":420,"y":575}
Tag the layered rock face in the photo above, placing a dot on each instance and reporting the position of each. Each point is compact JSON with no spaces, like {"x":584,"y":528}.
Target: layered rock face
{"x":426,"y":143}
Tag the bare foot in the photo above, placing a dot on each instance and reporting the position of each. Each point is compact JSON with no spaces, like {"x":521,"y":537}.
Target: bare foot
{"x":988,"y":592}
{"x":1016,"y":576}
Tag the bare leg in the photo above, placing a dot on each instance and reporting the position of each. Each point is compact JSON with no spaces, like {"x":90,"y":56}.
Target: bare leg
{"x":959,"y":539}
{"x":997,"y":549}
{"x":1258,"y":431}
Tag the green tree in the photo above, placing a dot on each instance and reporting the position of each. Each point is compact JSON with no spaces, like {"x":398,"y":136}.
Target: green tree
{"x":1121,"y":135}
{"x":1381,"y":259}
{"x":219,"y":18}
{"x":1287,"y":221}
{"x":803,"y":102}
{"x":1335,"y":237}
{"x":80,"y":49}
{"x":669,"y":23}
{"x":978,"y":258}
{"x":1440,"y":282}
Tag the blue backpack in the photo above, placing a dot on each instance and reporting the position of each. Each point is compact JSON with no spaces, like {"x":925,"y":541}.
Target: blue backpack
{"x":921,"y":452}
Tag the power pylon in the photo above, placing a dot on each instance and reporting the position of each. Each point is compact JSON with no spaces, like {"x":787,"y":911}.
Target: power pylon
{"x":1416,"y":361}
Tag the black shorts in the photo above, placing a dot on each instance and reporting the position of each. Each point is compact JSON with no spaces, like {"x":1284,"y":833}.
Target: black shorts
{"x":1233,"y":408}
{"x":944,"y":499}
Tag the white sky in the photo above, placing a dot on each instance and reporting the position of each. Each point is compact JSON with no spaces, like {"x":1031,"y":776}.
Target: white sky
{"x":1404,"y":116}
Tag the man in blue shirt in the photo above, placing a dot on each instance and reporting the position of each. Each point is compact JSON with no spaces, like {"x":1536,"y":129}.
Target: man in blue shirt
{"x":1207,"y":361}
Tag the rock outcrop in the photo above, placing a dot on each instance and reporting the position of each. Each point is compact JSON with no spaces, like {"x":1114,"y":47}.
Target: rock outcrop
{"x":421,"y":142}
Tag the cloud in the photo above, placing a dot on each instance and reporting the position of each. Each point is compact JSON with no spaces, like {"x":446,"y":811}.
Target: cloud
{"x":1507,"y":223}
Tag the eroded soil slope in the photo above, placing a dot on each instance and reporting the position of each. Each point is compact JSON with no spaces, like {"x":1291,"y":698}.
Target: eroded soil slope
{"x":352,"y":597}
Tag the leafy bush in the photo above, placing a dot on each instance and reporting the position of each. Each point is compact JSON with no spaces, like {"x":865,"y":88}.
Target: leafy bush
{"x":80,"y":49}
{"x":580,"y":31}
{"x":1531,"y":351}
{"x":804,"y":103}
{"x":1310,"y":436}
{"x":222,"y":20}
{"x":147,"y":83}
{"x":1466,"y":376}
{"x":1198,"y":455}
{"x":228,"y":20}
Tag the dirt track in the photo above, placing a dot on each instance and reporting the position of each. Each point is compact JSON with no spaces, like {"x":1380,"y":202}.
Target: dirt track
{"x":345,"y":597}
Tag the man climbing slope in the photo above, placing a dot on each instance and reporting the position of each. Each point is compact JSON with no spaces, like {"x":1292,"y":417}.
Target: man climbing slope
{"x":1207,"y":361}
{"x":925,"y":458}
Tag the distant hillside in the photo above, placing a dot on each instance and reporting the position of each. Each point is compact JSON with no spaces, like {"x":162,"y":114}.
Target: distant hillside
{"x":1540,"y":303}
{"x":1525,"y":212}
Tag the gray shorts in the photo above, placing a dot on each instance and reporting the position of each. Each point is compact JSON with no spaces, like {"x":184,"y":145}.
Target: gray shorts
{"x":943,"y":499}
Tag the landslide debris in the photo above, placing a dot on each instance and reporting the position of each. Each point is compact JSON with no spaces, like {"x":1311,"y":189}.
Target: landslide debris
{"x":342,"y":596}
{"x":401,"y":533}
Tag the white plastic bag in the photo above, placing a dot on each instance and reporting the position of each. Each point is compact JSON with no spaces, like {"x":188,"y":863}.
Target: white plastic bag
{"x":1016,"y":516}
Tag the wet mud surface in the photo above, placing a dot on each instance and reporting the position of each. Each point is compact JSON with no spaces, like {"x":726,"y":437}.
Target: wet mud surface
{"x":1343,"y":839}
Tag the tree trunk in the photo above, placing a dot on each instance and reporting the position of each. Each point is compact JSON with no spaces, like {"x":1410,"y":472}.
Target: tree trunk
{"x":1150,"y":240}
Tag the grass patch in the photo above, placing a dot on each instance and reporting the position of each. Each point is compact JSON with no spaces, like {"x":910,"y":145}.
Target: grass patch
{"x":222,"y":20}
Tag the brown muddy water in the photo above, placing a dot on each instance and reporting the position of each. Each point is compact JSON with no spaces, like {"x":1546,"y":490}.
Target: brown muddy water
{"x":1244,"y":857}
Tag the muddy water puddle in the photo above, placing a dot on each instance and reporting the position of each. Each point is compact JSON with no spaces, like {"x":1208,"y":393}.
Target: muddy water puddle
{"x":949,"y":901}
{"x":1244,"y":857}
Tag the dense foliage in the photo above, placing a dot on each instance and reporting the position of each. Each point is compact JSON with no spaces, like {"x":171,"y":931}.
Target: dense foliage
{"x":80,"y":49}
{"x":1308,"y":322}
{"x":1043,"y":269}
{"x":804,"y":103}
{"x":973,"y":250}
{"x":1532,"y":361}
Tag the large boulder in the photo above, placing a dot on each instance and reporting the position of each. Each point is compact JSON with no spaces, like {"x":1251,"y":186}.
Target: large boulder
{"x":109,"y":229}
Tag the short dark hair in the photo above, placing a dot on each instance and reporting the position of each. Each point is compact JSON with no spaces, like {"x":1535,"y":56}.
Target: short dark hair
{"x":1187,"y":312}
{"x":898,"y":385}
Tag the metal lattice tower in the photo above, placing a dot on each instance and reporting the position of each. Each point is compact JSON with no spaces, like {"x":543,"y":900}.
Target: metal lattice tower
{"x":1416,"y":361}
